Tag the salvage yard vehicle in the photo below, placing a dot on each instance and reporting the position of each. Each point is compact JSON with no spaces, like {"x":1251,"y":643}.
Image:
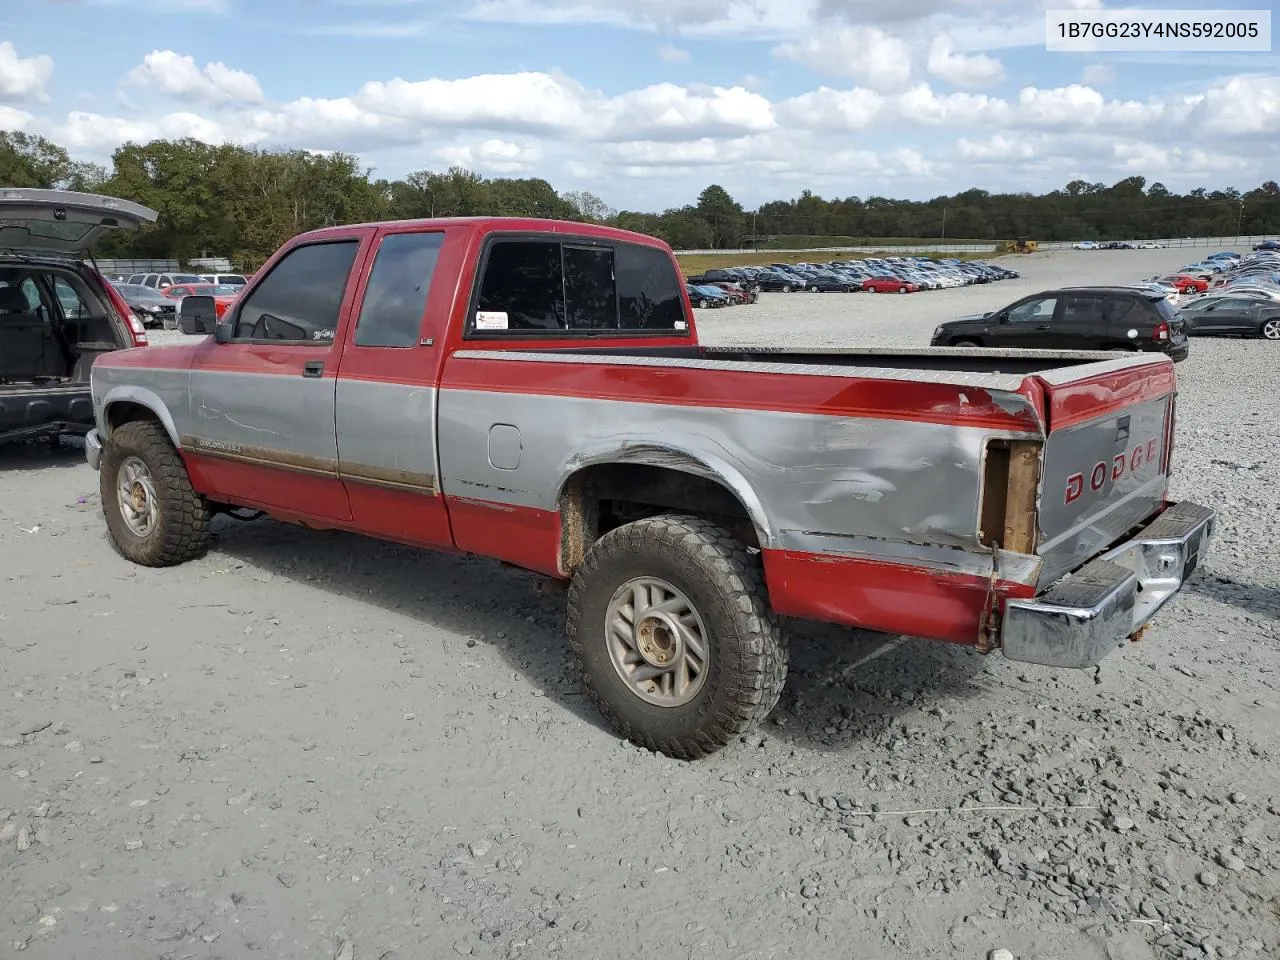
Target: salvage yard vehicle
{"x":58,"y":314}
{"x":1076,"y":318}
{"x":534,"y":391}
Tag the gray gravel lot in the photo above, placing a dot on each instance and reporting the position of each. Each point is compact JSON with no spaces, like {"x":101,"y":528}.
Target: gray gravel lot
{"x":313,"y":745}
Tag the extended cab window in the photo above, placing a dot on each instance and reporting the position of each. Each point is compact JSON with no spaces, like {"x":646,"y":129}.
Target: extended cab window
{"x":396,"y":296}
{"x":300,"y":298}
{"x":563,"y":286}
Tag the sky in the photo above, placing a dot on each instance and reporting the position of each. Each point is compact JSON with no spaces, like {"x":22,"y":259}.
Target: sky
{"x":645,"y":102}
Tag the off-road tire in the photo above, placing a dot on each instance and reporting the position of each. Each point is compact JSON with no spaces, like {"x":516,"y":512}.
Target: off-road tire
{"x":182,"y":530}
{"x":747,"y":653}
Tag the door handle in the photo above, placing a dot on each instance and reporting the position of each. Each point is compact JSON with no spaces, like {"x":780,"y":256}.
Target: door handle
{"x":1042,"y":326}
{"x":313,"y":368}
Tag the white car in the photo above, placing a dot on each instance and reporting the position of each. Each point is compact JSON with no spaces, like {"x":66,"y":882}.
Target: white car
{"x":1150,"y":245}
{"x":1084,"y":245}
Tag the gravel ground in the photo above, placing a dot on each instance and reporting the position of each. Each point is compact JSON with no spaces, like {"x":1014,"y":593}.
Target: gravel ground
{"x":313,"y":745}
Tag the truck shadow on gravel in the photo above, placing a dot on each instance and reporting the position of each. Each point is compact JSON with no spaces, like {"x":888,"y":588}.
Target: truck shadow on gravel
{"x":1249,"y":597}
{"x":844,"y":686}
{"x":42,"y":454}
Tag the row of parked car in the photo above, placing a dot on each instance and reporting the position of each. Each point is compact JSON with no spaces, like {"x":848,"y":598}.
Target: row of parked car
{"x":1227,"y":294}
{"x":156,"y":305}
{"x":870,"y":275}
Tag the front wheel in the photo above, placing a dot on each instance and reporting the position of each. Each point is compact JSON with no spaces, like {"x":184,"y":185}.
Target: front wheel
{"x":154,"y":516}
{"x":1271,"y":329}
{"x":871,"y":289}
{"x":702,"y":304}
{"x":670,"y":626}
{"x":965,"y":343}
{"x":786,"y":288}
{"x":902,"y":289}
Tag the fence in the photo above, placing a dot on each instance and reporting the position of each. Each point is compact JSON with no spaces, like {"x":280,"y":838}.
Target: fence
{"x":1218,"y":243}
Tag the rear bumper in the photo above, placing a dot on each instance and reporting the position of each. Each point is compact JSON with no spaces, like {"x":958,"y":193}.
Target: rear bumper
{"x":93,"y":448}
{"x":1087,"y":614}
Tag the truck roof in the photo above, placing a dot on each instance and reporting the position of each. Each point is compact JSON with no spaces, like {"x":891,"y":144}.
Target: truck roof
{"x":505,"y":224}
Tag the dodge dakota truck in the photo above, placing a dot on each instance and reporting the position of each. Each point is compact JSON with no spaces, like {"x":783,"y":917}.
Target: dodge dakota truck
{"x":535,"y":392}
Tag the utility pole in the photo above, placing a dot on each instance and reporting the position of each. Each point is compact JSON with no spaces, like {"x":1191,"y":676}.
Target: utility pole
{"x":1240,"y":222}
{"x":944,"y":225}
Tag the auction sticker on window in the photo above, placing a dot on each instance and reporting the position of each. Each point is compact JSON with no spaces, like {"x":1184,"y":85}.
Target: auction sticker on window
{"x":491,"y":320}
{"x":1180,"y":31}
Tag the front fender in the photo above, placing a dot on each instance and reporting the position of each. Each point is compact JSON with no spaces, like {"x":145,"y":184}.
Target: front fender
{"x":700,"y":463}
{"x":142,"y":396}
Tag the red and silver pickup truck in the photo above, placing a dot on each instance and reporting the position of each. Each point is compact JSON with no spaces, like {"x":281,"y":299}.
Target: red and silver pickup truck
{"x":534,"y":391}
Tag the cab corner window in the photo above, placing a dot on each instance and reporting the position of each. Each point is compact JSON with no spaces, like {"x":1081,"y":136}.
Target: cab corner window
{"x":522,"y":288}
{"x":649,"y":290}
{"x":396,"y":296}
{"x":300,"y":299}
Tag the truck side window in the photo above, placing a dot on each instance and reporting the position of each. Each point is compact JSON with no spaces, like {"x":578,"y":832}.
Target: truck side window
{"x":590,"y":299}
{"x":523,"y":279}
{"x":649,"y":292}
{"x":554,"y":285}
{"x":301,"y":297}
{"x":396,"y":295}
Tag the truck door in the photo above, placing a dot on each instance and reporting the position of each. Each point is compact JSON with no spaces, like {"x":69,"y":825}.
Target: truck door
{"x":387,"y":391}
{"x":261,"y":424}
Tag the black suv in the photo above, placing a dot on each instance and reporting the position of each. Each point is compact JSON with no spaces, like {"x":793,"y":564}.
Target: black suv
{"x":1075,"y":318}
{"x":57,"y":313}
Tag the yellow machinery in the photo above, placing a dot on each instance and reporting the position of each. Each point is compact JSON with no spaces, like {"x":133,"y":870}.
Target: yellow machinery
{"x":1021,"y":245}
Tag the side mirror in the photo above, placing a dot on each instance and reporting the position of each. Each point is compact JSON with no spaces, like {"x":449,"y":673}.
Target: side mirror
{"x":987,"y":314}
{"x":197,"y":315}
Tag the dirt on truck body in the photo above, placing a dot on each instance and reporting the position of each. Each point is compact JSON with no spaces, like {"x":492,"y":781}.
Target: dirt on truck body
{"x":534,"y":391}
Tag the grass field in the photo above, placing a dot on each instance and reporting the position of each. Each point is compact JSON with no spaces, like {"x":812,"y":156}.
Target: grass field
{"x":693,"y":263}
{"x":797,"y":242}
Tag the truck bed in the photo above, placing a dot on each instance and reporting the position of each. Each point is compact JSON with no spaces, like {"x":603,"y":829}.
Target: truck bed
{"x":941,"y":359}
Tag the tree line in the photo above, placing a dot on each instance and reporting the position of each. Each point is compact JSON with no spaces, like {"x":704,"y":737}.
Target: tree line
{"x":242,"y":203}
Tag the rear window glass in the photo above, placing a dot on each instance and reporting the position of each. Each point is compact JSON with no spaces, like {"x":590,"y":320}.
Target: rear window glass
{"x":540,"y":285}
{"x":1166,"y":310}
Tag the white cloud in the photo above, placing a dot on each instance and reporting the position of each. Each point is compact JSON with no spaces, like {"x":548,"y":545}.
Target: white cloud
{"x":94,"y":133}
{"x":833,"y":110}
{"x":1246,"y":106}
{"x":23,"y":78}
{"x":11,"y":118}
{"x":492,"y":156}
{"x":674,"y":54}
{"x":962,"y":70}
{"x":178,"y":76}
{"x":868,"y":54}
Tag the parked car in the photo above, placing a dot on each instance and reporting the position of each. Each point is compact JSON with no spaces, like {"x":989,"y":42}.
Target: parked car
{"x":1233,"y":316}
{"x":1085,"y":245}
{"x":1267,"y":245}
{"x":149,"y":305}
{"x":1075,"y":318}
{"x":1185,"y":282}
{"x":684,"y":521}
{"x":225,"y":279}
{"x":58,"y":314}
{"x":888,"y":284}
{"x":737,"y":294}
{"x":162,"y":280}
{"x":706,"y":296}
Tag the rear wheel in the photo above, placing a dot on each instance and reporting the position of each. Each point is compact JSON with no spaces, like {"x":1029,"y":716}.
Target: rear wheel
{"x":902,"y":289}
{"x":965,"y":343}
{"x":786,"y":288}
{"x":670,"y":626}
{"x":1271,"y":329}
{"x":154,"y":515}
{"x":703,"y":304}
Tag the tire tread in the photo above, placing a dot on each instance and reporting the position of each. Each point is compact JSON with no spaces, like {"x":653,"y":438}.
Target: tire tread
{"x":756,"y":653}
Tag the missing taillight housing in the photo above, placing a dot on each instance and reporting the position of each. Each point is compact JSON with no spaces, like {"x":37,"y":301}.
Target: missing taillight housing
{"x":1010,"y":484}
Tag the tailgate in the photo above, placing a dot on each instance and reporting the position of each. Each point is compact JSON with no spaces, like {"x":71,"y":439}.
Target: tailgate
{"x":1106,"y":459}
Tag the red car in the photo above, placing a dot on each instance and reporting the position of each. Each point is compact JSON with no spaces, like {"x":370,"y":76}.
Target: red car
{"x":223,"y":295}
{"x":887,"y":284}
{"x":1186,"y":283}
{"x":736,"y":293}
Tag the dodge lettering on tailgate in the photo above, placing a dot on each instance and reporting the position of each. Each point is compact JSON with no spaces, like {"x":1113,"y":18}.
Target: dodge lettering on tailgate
{"x":534,"y":391}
